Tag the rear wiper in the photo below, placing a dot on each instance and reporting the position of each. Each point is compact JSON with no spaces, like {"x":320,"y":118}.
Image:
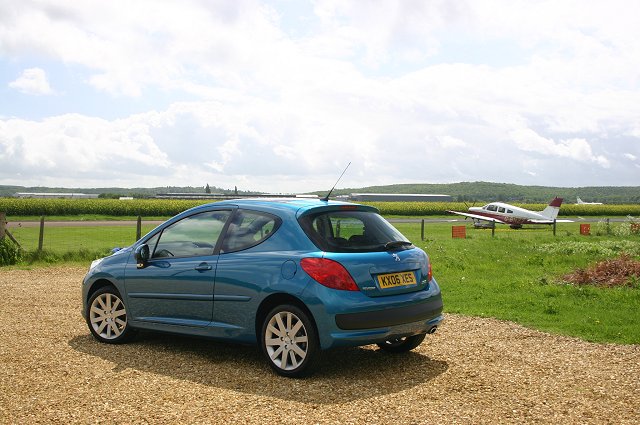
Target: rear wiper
{"x":396,"y":244}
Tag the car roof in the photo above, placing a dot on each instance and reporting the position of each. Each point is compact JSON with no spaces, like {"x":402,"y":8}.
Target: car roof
{"x":297,"y":206}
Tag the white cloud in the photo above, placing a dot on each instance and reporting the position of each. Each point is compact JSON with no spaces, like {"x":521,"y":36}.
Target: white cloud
{"x":630,"y":156}
{"x":74,"y":148}
{"x":32,"y":81}
{"x":576,"y":149}
{"x":449,"y":142}
{"x":131,"y":46}
{"x":409,"y":91}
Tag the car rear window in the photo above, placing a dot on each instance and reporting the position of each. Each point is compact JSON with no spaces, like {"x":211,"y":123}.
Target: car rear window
{"x":352,"y":231}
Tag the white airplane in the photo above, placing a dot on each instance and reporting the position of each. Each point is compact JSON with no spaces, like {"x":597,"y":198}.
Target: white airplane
{"x":581,"y":202}
{"x":515,"y":217}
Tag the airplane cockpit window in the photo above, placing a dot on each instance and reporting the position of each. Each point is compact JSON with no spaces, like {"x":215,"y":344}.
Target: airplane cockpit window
{"x":501,"y":209}
{"x":492,"y":208}
{"x":485,"y":207}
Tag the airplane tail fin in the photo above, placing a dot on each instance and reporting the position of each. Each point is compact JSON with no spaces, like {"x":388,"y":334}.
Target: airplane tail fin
{"x":551,"y":212}
{"x":579,"y":201}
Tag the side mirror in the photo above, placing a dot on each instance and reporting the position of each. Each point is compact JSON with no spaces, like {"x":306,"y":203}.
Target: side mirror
{"x":141,"y":255}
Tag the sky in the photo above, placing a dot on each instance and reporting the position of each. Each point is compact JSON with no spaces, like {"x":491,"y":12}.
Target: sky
{"x":279,"y":96}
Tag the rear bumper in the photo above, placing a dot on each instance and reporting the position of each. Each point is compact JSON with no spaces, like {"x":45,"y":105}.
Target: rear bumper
{"x":351,"y":318}
{"x":350,"y":338}
{"x":424,"y":311}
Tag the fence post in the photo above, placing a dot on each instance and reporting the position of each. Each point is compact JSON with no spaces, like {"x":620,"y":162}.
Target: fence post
{"x":139,"y":228}
{"x":493,"y":229}
{"x":4,"y":231}
{"x":422,"y":230}
{"x":3,"y":225}
{"x":41,"y":237}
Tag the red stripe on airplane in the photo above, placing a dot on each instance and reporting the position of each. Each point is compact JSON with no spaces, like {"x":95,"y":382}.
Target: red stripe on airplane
{"x":506,"y":219}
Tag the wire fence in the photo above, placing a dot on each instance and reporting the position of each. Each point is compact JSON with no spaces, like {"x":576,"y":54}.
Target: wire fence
{"x":103,"y":236}
{"x":75,"y":236}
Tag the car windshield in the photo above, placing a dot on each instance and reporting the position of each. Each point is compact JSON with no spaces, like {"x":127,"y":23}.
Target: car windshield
{"x":352,"y":231}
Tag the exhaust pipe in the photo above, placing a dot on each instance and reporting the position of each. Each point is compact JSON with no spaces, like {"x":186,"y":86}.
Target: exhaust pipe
{"x":432,"y":330}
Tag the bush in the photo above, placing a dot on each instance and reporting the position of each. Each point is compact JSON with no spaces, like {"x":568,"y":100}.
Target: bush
{"x":628,"y":228}
{"x":9,"y":252}
{"x":602,"y":228}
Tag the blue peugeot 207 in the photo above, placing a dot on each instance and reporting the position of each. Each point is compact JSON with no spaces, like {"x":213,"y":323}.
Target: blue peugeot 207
{"x":295,"y":276}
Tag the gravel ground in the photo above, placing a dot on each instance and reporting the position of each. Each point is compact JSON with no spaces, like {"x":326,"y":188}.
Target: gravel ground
{"x":471,"y":371}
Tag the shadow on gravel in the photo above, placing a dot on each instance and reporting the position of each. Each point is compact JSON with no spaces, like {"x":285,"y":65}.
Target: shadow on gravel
{"x":343,"y":374}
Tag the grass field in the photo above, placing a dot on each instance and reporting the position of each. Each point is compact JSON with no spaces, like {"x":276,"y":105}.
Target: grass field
{"x":516,"y":275}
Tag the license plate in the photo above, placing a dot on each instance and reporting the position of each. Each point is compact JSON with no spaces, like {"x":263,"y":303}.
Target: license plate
{"x":391,"y":280}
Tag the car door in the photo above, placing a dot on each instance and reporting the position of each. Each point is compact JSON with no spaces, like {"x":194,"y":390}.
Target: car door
{"x":245,"y":267}
{"x":176,"y":285}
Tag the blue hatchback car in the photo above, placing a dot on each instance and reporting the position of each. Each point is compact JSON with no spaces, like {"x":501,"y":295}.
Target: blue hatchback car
{"x":295,"y":276}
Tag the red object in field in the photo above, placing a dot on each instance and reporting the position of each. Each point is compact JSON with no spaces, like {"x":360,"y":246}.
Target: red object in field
{"x":585,"y":229}
{"x":459,"y":232}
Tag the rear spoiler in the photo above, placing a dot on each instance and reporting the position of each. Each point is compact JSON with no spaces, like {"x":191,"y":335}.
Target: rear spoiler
{"x":335,"y":207}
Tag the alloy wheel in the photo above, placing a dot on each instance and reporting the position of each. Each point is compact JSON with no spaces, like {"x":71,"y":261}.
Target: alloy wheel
{"x":107,"y":316}
{"x":286,"y":340}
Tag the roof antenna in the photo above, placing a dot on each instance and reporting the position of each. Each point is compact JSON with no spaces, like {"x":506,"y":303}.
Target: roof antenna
{"x":326,"y":198}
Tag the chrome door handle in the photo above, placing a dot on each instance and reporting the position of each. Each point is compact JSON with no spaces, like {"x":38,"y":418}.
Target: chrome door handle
{"x":203,"y":267}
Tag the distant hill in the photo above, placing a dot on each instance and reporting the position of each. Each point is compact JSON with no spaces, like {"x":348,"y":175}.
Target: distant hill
{"x":507,"y":192}
{"x":464,"y":191}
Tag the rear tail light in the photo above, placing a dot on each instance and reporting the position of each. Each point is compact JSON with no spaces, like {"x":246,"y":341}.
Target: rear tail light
{"x":429,"y":273}
{"x":329,"y":273}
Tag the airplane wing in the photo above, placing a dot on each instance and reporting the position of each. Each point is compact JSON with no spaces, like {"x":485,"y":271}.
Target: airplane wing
{"x":550,"y":221}
{"x":478,"y":217}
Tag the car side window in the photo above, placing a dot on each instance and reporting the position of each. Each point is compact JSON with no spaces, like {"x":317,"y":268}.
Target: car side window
{"x":247,"y":229}
{"x":192,"y":236}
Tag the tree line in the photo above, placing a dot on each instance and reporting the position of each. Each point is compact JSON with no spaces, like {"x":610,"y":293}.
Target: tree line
{"x":507,"y":192}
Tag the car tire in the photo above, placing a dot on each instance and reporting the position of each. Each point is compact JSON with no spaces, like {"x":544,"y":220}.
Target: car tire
{"x":402,"y":345}
{"x":107,"y":316}
{"x":289,"y":341}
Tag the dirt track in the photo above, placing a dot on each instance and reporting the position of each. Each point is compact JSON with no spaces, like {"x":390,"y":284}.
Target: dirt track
{"x":471,"y":371}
